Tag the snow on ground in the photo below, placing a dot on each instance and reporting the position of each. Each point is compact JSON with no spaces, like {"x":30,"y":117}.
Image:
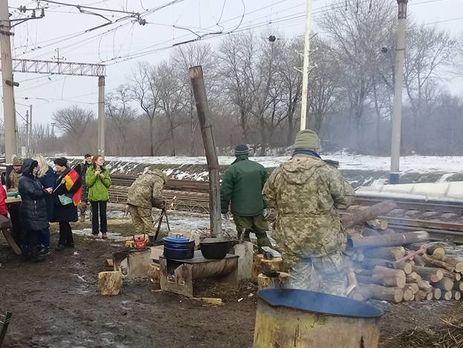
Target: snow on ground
{"x":419,"y":164}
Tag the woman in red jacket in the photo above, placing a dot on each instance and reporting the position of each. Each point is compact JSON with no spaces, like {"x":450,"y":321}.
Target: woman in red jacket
{"x":3,"y":208}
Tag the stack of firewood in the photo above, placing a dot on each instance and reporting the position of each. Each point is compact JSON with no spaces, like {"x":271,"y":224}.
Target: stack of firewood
{"x":394,"y":266}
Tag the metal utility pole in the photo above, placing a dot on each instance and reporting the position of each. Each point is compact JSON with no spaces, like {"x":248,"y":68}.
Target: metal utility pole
{"x":29,"y":132}
{"x":9,"y":114}
{"x":394,"y":176}
{"x":199,"y":92}
{"x":305,"y":68}
{"x":101,"y":115}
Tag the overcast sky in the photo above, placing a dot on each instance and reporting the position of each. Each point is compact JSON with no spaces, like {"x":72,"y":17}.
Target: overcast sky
{"x":124,"y":43}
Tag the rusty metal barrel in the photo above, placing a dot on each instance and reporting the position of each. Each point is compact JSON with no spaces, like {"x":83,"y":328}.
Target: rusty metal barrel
{"x":305,"y":319}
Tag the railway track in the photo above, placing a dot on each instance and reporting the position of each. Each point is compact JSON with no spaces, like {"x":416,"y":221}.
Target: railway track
{"x":443,"y":220}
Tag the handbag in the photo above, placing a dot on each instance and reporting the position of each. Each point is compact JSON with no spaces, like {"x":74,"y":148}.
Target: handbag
{"x":64,"y":199}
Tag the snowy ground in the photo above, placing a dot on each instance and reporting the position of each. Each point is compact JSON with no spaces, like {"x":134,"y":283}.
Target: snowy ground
{"x":418,"y":164}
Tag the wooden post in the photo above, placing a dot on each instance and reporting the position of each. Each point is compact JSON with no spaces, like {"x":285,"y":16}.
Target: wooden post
{"x":199,"y":92}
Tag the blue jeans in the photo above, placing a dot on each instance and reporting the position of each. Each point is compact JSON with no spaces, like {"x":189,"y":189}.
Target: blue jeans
{"x":44,"y":238}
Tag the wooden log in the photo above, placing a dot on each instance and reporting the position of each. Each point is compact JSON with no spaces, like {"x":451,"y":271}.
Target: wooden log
{"x":395,"y":282}
{"x":460,"y":286}
{"x":382,"y":293}
{"x":444,"y":284}
{"x":412,"y":286}
{"x":419,"y":260}
{"x":437,"y":293}
{"x":408,"y":294}
{"x":421,"y":295}
{"x":436,"y":250}
{"x":404,"y":266}
{"x":457,"y":276}
{"x":396,"y":239}
{"x":455,"y":261}
{"x":428,"y":273}
{"x":387,"y":253}
{"x":424,"y":285}
{"x":448,"y":295}
{"x":109,"y":283}
{"x":430,"y":296}
{"x":264,"y":282}
{"x":413,"y":277}
{"x":382,"y":272}
{"x":456,"y":295}
{"x":430,"y":261}
{"x":370,"y":213}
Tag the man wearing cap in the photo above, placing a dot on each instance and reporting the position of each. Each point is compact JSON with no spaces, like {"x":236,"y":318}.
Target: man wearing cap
{"x":12,"y":185}
{"x":15,"y":174}
{"x":305,"y":193}
{"x":82,"y":170}
{"x":242,"y":185}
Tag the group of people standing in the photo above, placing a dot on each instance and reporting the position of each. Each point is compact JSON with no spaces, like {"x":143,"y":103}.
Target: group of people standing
{"x":49,"y":195}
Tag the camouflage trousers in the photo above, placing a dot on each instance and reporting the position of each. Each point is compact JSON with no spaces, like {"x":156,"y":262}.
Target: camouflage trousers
{"x":256,"y":224}
{"x":142,"y":219}
{"x":322,"y":274}
{"x":83,"y":209}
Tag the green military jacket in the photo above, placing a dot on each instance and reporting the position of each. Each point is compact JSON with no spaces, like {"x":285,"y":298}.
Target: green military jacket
{"x":242,"y":185}
{"x":306,"y":192}
{"x":97,"y":186}
{"x":146,"y":189}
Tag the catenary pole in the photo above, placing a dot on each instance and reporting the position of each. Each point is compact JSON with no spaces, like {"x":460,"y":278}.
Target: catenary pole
{"x":305,"y":68}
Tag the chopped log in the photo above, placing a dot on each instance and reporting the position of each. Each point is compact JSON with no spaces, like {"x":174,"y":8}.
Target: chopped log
{"x":450,"y":275}
{"x":437,"y":293}
{"x":428,"y":273}
{"x":448,"y":295}
{"x":382,"y":293}
{"x":455,"y":261}
{"x":424,"y":285}
{"x":408,"y":294}
{"x":412,"y":286}
{"x":460,"y":286}
{"x":370,"y":213}
{"x":378,"y":224}
{"x":430,"y":296}
{"x":436,"y":250}
{"x":395,"y":282}
{"x":396,"y":239}
{"x":444,"y":284}
{"x":456,"y":295}
{"x":109,"y":283}
{"x":419,"y":260}
{"x":413,"y":277}
{"x":457,"y":276}
{"x":264,"y":282}
{"x":404,"y":266}
{"x":421,"y":295}
{"x":383,"y":272}
{"x":387,"y":253}
{"x":429,"y":261}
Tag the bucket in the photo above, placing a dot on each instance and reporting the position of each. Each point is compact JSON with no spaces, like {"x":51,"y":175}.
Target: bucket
{"x":305,"y":319}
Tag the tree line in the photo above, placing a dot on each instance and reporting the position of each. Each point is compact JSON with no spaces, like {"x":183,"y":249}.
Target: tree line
{"x":254,"y":92}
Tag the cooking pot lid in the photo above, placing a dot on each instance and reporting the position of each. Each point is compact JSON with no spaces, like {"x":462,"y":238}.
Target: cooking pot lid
{"x":215,"y":240}
{"x":176,"y":239}
{"x":317,"y":302}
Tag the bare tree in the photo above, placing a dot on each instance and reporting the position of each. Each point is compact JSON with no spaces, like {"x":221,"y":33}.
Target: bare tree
{"x":73,"y":122}
{"x":144,"y":92}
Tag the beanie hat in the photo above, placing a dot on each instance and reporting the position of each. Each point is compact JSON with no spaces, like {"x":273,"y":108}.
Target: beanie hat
{"x":17,"y":161}
{"x":241,"y":150}
{"x":307,"y":139}
{"x":62,"y":161}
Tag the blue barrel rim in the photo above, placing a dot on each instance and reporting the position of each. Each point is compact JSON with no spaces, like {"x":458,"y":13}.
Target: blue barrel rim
{"x":320,"y":303}
{"x":176,"y":239}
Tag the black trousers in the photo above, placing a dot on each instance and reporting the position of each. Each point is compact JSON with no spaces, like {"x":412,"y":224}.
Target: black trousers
{"x":99,"y":209}
{"x":30,"y":246}
{"x":19,"y":234}
{"x":65,"y":234}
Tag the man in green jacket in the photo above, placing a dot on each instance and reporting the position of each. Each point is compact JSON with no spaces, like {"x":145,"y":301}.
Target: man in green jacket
{"x":305,"y":193}
{"x":242,"y":185}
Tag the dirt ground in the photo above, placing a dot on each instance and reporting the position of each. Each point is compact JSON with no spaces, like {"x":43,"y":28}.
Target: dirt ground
{"x":56,"y":304}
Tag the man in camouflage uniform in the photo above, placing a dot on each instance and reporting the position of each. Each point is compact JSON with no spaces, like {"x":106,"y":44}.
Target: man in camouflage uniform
{"x":305,"y":192}
{"x":143,"y":194}
{"x":13,"y":209}
{"x":15,"y":174}
{"x":242,"y":185}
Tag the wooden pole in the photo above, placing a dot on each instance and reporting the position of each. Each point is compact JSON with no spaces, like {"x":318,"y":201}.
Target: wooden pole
{"x":199,"y":92}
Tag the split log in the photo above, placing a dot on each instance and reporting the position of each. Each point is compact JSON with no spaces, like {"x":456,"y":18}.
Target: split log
{"x":394,"y":253}
{"x":370,"y":213}
{"x":456,"y":295}
{"x":110,"y":283}
{"x":429,"y":261}
{"x":395,"y":282}
{"x":444,"y":284}
{"x":382,"y":293}
{"x":413,"y":277}
{"x":448,"y":295}
{"x":396,"y":239}
{"x":437,"y":293}
{"x":413,"y":287}
{"x":428,"y":273}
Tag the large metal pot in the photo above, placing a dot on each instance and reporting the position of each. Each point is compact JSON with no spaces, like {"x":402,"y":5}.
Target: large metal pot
{"x":306,"y":319}
{"x":215,"y":248}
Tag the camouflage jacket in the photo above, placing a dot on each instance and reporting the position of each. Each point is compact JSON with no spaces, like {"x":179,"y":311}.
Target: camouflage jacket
{"x":146,"y":189}
{"x":14,"y":180}
{"x":305,"y":193}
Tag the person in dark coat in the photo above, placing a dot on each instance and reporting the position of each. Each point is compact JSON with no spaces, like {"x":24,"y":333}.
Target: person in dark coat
{"x":33,"y":210}
{"x":82,"y":170}
{"x":66,"y":194}
{"x":47,"y":178}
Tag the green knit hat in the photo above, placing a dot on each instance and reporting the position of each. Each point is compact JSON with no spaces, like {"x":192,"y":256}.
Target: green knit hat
{"x":307,"y":139}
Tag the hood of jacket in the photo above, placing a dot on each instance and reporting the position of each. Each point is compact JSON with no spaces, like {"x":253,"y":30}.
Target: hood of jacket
{"x":28,"y":166}
{"x":158,"y":173}
{"x":299,"y":169}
